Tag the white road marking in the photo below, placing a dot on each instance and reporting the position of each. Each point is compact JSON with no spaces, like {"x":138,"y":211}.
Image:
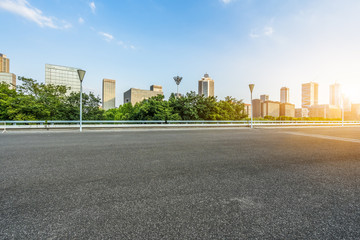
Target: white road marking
{"x":325,"y":137}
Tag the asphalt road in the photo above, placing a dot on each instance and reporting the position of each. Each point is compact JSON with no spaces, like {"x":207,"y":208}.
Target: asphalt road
{"x":181,"y":184}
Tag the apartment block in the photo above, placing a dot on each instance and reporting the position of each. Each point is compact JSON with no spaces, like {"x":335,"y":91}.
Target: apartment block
{"x":108,"y":94}
{"x":134,"y":95}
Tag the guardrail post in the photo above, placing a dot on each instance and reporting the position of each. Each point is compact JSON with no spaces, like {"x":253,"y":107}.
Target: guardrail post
{"x":4,"y":128}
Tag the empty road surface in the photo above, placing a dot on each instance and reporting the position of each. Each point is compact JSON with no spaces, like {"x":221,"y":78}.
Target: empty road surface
{"x":279,"y":183}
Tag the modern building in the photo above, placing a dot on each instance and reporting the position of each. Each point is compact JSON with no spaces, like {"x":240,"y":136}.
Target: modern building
{"x":325,"y":111}
{"x":284,"y":95}
{"x":134,"y":95}
{"x":108,"y":94}
{"x":270,"y":108}
{"x":264,"y":97}
{"x":61,"y":75}
{"x":256,"y":104}
{"x":4,"y":63}
{"x":8,"y":78}
{"x":247,"y":110}
{"x":5,"y":75}
{"x":335,"y":95}
{"x":206,"y":86}
{"x":287,"y":110}
{"x":355,"y":111}
{"x":310,"y":94}
{"x":301,"y":112}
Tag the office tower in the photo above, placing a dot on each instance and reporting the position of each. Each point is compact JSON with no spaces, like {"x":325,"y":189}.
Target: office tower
{"x":287,"y":109}
{"x":301,"y":112}
{"x":5,"y":75}
{"x":256,"y":108}
{"x":325,"y":111}
{"x":264,"y":97}
{"x":206,"y":86}
{"x":134,"y":95}
{"x":60,"y":75}
{"x":335,"y":94}
{"x":270,"y":108}
{"x":310,"y":94}
{"x":108,"y":94}
{"x":4,"y":63}
{"x":284,"y":95}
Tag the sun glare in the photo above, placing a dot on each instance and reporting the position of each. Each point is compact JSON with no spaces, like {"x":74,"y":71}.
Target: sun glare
{"x":352,"y":91}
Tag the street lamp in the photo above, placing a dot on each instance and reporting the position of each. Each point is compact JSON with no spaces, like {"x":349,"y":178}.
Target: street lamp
{"x":81,"y":74}
{"x":177,"y":81}
{"x":251,"y":87}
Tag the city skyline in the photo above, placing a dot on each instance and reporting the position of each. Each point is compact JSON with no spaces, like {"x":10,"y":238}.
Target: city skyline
{"x":272,"y":44}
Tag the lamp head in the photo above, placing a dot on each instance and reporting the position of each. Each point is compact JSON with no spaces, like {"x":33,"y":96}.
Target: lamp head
{"x":81,"y":74}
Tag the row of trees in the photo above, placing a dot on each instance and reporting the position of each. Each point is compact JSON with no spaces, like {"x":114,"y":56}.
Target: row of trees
{"x":37,"y":101}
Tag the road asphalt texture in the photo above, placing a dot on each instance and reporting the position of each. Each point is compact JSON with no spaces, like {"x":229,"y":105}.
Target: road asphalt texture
{"x":181,"y":184}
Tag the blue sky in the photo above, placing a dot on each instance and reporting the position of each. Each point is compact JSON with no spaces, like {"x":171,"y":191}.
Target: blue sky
{"x":272,"y":43}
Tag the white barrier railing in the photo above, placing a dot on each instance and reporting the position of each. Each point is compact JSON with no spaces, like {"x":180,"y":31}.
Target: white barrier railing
{"x":161,"y":123}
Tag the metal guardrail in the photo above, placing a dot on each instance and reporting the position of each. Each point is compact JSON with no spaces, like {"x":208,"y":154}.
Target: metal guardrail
{"x":161,"y":123}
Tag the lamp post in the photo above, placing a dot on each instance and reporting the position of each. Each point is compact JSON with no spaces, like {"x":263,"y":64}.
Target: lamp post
{"x":251,"y":87}
{"x":81,"y":74}
{"x":177,"y":81}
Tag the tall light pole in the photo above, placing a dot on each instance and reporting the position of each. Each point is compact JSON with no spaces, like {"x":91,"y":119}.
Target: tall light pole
{"x":81,"y":74}
{"x":177,"y":81}
{"x":251,"y":87}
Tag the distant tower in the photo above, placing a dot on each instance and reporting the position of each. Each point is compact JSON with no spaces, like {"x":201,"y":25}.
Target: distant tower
{"x":310,"y":94}
{"x":206,"y":86}
{"x":335,"y":94}
{"x":284,"y":95}
{"x":108,"y":94}
{"x":264,"y":97}
{"x":5,"y":75}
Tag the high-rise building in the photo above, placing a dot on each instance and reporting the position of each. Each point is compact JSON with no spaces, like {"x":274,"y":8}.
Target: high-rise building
{"x":264,"y":97}
{"x":108,"y":94}
{"x":310,"y":93}
{"x":60,"y":75}
{"x":4,"y":63}
{"x":284,"y":95}
{"x":335,"y":95}
{"x":287,"y":110}
{"x":134,"y":95}
{"x":206,"y":86}
{"x":5,"y":75}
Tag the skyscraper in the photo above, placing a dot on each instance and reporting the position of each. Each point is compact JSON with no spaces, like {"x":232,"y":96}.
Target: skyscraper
{"x":5,"y":75}
{"x":335,"y":95}
{"x":108,"y":94}
{"x":310,"y":93}
{"x":284,"y":95}
{"x":60,"y":75}
{"x":4,"y":63}
{"x":206,"y":86}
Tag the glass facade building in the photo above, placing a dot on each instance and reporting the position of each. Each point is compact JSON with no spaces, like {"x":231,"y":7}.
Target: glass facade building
{"x":60,"y":75}
{"x":8,"y":78}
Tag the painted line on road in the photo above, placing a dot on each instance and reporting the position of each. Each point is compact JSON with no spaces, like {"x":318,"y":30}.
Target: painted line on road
{"x":325,"y":137}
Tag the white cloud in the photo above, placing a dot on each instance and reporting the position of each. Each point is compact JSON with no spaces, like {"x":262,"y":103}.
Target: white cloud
{"x":81,"y":20}
{"x":268,"y":31}
{"x":24,"y":9}
{"x":92,"y":6}
{"x":107,"y":36}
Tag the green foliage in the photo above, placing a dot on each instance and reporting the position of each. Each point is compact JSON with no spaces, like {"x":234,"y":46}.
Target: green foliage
{"x":189,"y":107}
{"x":37,"y":101}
